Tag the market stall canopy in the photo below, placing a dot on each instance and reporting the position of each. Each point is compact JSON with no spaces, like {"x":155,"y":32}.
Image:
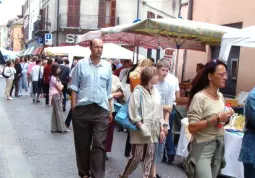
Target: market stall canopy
{"x":67,"y":50}
{"x":110,"y":50}
{"x":244,"y":37}
{"x":9,"y":54}
{"x":167,"y":33}
{"x":114,"y":51}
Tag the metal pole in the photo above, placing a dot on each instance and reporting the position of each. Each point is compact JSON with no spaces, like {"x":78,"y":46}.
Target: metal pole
{"x":138,"y":9}
{"x":137,"y":17}
{"x":57,"y":34}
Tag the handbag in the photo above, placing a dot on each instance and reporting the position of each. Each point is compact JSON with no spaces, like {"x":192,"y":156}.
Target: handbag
{"x":122,"y":116}
{"x":5,"y":76}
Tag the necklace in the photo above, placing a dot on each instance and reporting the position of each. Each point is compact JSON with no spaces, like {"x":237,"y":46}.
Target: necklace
{"x":216,"y":96}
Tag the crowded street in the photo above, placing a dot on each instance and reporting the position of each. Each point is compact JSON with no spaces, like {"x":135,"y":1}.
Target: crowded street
{"x":127,"y":89}
{"x":29,"y":148}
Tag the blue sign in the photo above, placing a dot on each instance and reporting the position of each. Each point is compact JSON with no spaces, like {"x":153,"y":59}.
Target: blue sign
{"x":48,"y":36}
{"x":40,"y":40}
{"x":48,"y":39}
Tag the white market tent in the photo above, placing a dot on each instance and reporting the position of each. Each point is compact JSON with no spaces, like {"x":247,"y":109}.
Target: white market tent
{"x":111,"y":51}
{"x":244,"y":37}
{"x":67,"y":50}
{"x":9,"y":54}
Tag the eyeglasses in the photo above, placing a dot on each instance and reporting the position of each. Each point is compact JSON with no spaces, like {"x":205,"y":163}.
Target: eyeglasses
{"x":223,"y":74}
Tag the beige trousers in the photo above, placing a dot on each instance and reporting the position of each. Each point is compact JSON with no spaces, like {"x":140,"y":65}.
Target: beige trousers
{"x":8,"y":86}
{"x":57,"y":117}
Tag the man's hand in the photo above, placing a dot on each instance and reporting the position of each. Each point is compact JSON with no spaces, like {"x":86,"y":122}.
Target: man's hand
{"x":166,"y":130}
{"x":110,"y":118}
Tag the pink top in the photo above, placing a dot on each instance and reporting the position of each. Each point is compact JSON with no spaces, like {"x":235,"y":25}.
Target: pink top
{"x":30,"y":66}
{"x":53,"y":88}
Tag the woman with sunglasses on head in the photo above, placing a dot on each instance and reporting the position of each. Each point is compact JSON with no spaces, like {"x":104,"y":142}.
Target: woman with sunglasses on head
{"x":206,"y":118}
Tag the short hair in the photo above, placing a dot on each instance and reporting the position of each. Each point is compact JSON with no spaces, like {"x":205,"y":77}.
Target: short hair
{"x":34,"y":58}
{"x":90,"y":43}
{"x":200,"y":65}
{"x":49,"y":61}
{"x":38,"y":61}
{"x":59,"y":60}
{"x":147,"y":75}
{"x":54,"y":69}
{"x":163,"y":63}
{"x":66,"y":61}
{"x":8,"y":63}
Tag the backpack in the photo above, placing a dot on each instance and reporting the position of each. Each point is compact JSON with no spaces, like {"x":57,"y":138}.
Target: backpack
{"x":122,"y":117}
{"x":5,"y":76}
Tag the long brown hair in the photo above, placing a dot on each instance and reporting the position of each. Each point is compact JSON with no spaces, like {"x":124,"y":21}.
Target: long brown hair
{"x":202,"y":81}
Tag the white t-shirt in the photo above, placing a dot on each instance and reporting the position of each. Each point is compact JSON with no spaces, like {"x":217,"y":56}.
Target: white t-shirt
{"x":35,"y":73}
{"x":166,"y":92}
{"x":174,"y":83}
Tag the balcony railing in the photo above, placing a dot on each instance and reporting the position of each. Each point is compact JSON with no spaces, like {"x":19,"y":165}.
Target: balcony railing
{"x":41,"y":25}
{"x":89,"y":22}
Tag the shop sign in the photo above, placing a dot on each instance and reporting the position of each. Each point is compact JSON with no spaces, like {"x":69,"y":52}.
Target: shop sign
{"x":71,"y":38}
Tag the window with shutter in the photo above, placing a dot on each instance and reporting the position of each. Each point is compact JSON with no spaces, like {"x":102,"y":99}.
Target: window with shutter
{"x":113,"y":12}
{"x":73,"y":13}
{"x":101,"y":13}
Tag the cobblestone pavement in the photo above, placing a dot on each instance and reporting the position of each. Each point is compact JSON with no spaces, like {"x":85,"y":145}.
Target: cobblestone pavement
{"x":52,"y":155}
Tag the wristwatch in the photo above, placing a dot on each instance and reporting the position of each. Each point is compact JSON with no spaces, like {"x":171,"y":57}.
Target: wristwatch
{"x":165,"y":125}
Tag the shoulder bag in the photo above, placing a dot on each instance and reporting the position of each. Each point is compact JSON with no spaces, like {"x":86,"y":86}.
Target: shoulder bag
{"x":122,"y":117}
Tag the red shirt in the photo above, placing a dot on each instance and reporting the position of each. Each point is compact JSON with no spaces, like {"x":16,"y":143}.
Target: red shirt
{"x":46,"y":74}
{"x":117,"y":72}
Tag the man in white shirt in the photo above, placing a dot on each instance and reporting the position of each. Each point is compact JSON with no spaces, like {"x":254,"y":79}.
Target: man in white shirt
{"x":166,"y":91}
{"x":37,"y":74}
{"x":170,"y":147}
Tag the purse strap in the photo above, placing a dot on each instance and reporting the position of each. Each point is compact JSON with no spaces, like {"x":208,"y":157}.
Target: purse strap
{"x":141,"y":99}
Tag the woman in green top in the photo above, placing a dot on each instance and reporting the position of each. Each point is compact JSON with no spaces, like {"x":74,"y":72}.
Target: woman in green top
{"x":206,"y":114}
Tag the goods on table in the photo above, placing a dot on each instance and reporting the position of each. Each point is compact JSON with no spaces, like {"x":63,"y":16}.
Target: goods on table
{"x":237,"y":122}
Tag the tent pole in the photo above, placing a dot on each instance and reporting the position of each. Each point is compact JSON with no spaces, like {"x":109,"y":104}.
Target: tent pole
{"x":176,"y":59}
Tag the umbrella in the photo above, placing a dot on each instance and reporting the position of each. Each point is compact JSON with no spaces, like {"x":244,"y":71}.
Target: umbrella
{"x":141,"y":40}
{"x":114,"y":51}
{"x":167,"y":33}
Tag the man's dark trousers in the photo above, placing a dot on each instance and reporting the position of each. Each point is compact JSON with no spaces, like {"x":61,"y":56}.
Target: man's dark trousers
{"x":64,"y":93}
{"x":90,"y":124}
{"x":15,"y":85}
{"x":46,"y":90}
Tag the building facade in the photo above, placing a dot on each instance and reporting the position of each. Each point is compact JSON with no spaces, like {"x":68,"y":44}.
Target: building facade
{"x":66,"y":19}
{"x":3,"y":36}
{"x":240,"y":63}
{"x":15,"y":40}
{"x":128,"y":11}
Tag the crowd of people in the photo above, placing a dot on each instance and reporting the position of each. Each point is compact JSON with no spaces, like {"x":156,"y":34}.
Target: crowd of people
{"x":95,"y":86}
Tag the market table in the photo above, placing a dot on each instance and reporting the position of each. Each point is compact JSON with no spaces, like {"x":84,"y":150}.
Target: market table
{"x":233,"y":142}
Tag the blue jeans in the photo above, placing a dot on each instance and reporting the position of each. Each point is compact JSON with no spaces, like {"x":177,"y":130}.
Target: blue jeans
{"x":249,"y":170}
{"x":159,"y":150}
{"x":170,"y":147}
{"x":23,"y":83}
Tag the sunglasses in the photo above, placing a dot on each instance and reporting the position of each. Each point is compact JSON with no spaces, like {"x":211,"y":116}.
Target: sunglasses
{"x":222,"y":74}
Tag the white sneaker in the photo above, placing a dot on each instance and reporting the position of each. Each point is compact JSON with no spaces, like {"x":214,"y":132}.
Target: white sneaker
{"x":27,"y":94}
{"x":9,"y":98}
